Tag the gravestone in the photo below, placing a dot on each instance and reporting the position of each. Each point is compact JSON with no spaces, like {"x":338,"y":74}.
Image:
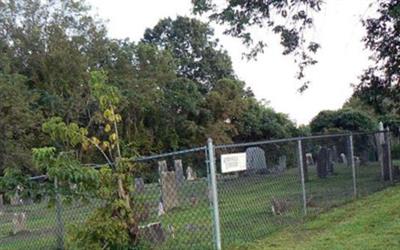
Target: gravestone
{"x":15,"y":200}
{"x":357,"y":161}
{"x":364,"y":157}
{"x":385,"y":162}
{"x":330,"y":161}
{"x":255,"y":160}
{"x":309,"y":159}
{"x":191,"y":175}
{"x":161,"y":210}
{"x":344,"y":159}
{"x":1,"y":202}
{"x":335,"y":155}
{"x":153,"y":233}
{"x":139,"y":185}
{"x":282,"y":163}
{"x":162,"y":167}
{"x":322,"y":162}
{"x":180,"y":178}
{"x":169,"y":190}
{"x":19,"y":223}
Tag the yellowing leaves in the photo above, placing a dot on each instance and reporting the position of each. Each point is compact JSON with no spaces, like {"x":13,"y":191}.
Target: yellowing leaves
{"x":95,"y":141}
{"x":107,"y":128}
{"x":113,"y":137}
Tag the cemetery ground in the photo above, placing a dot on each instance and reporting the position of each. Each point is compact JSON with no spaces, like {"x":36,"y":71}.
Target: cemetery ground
{"x":372,"y":222}
{"x":245,"y":209}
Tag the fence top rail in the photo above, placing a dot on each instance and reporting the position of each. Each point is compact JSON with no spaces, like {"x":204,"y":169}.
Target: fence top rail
{"x":180,"y":152}
{"x":263,"y":142}
{"x":223,"y":146}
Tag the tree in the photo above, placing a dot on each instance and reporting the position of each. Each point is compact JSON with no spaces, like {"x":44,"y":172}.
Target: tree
{"x":379,"y":86}
{"x":19,"y":124}
{"x":342,"y":120}
{"x":115,"y":224}
{"x":289,"y":19}
{"x":259,"y":122}
{"x":40,"y":40}
{"x":192,"y":44}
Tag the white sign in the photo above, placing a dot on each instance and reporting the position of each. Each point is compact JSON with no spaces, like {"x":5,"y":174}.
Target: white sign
{"x":233,"y":162}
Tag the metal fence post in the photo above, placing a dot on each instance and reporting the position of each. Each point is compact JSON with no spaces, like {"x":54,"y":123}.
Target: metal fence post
{"x":59,"y":219}
{"x":211,"y":158}
{"x":389,"y":153}
{"x":303,"y":185}
{"x":353,"y":165}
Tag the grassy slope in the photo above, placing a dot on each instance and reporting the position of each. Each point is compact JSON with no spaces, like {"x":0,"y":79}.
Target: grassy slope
{"x":369,"y":223}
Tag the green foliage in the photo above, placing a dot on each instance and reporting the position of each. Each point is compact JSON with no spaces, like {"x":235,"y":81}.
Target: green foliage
{"x":19,"y":123}
{"x":161,"y":95}
{"x":288,"y":19}
{"x":12,"y":180}
{"x":379,"y":85}
{"x":342,"y":120}
{"x":194,"y":48}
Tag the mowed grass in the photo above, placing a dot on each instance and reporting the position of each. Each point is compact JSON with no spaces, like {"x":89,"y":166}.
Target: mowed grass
{"x":244,"y":204}
{"x":372,"y":222}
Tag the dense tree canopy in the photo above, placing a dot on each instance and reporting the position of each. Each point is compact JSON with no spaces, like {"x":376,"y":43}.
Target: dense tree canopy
{"x":193,"y":46}
{"x":342,"y":120}
{"x":177,"y":84}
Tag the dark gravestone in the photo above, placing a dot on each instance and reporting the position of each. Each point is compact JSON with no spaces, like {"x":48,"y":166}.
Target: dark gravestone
{"x":180,"y":178}
{"x":396,"y":172}
{"x":139,"y":185}
{"x":364,"y":157}
{"x":385,"y":162}
{"x":335,"y":156}
{"x":330,"y":161}
{"x":255,"y":160}
{"x":322,"y":162}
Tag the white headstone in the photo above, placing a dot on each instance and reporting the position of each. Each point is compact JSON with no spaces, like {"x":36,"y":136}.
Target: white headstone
{"x":381,"y":136}
{"x":161,"y":209}
{"x":344,"y":159}
{"x":309,"y":159}
{"x":162,"y":167}
{"x":190,"y":174}
{"x":255,"y":159}
{"x":357,"y":161}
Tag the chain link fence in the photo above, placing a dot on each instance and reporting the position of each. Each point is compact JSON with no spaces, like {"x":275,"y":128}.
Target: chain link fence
{"x":189,"y":201}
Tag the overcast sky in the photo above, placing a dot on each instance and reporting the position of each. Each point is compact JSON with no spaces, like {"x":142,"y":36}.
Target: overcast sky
{"x":341,"y":59}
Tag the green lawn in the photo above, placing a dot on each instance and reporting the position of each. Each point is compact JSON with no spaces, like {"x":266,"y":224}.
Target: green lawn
{"x":244,"y":202}
{"x":372,"y":222}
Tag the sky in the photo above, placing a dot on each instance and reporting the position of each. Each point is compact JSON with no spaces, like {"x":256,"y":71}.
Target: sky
{"x":341,"y":60}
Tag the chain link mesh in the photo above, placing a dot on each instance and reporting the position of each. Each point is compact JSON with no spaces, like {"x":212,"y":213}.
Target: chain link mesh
{"x":175,"y":198}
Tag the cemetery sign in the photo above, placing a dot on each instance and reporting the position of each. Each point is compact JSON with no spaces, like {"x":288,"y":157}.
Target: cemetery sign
{"x":233,"y":162}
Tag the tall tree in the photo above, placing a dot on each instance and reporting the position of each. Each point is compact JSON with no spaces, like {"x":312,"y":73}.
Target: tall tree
{"x":192,"y":43}
{"x":379,"y":86}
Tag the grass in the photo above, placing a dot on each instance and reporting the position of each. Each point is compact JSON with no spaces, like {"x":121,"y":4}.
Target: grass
{"x":372,"y":222}
{"x":245,"y":209}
